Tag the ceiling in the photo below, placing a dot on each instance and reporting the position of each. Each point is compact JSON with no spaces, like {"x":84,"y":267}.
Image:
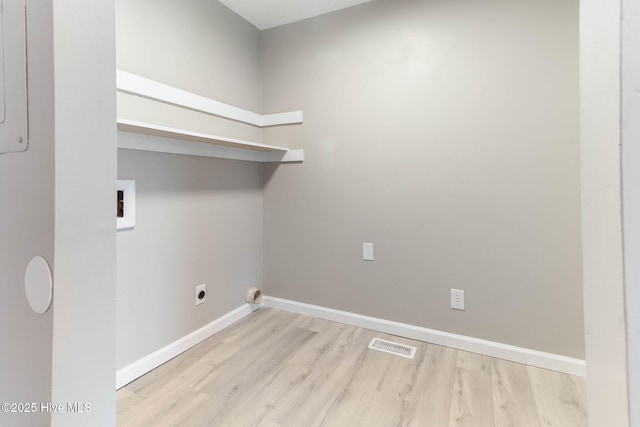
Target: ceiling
{"x":266,"y":14}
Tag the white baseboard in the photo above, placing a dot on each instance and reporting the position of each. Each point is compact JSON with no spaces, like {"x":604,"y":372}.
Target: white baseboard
{"x":140,"y":367}
{"x":512,"y":353}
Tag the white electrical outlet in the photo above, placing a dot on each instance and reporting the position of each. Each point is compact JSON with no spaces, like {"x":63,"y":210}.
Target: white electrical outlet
{"x":201,"y":294}
{"x":457,"y":299}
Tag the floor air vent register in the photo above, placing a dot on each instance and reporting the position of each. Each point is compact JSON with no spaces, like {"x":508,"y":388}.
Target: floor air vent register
{"x":393,"y":348}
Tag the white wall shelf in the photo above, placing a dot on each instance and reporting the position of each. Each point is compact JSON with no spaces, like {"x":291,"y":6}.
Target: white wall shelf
{"x":149,"y":137}
{"x":136,"y":135}
{"x":141,"y":86}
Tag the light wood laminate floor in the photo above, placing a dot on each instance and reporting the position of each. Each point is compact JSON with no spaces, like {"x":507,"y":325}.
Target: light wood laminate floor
{"x":278,"y":369}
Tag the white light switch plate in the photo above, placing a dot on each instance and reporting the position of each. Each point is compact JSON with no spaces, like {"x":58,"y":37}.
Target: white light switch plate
{"x":367,"y":251}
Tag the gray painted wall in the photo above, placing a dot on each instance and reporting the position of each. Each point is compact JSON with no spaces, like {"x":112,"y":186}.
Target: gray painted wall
{"x":446,"y":133}
{"x":199,"y":220}
{"x":26,"y":230}
{"x":83,"y":355}
{"x":195,"y":45}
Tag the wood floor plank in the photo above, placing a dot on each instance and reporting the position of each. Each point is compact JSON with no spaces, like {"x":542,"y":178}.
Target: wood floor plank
{"x":279,"y":369}
{"x":427,"y":399}
{"x":267,"y":423}
{"x":390,"y":383}
{"x":125,"y":400}
{"x":166,"y":372}
{"x":259,"y":325}
{"x":560,"y":398}
{"x":472,"y":401}
{"x":373,"y":376}
{"x":324,"y":381}
{"x":311,"y":377}
{"x":145,"y":408}
{"x":513,"y":401}
{"x":241,"y":379}
{"x":165,"y":410}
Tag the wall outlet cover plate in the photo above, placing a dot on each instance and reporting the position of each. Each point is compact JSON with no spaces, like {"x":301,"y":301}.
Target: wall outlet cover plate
{"x":457,"y":299}
{"x":201,"y":288}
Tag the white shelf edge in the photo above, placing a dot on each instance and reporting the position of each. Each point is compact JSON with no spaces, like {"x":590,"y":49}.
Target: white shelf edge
{"x":291,"y":156}
{"x":141,"y":86}
{"x":185,"y":135}
{"x":278,"y":119}
{"x":146,"y":137}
